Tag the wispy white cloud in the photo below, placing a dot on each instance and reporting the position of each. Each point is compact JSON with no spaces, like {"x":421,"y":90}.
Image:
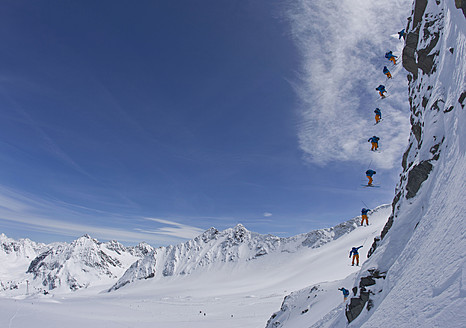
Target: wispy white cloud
{"x":267,"y":214}
{"x":33,"y":214}
{"x":343,"y":43}
{"x":174,"y":229}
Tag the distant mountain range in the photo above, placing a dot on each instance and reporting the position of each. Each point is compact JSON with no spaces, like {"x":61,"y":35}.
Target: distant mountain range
{"x":86,"y":262}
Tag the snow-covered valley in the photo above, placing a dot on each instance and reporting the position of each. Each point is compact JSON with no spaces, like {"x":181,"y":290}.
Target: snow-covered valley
{"x":240,"y":293}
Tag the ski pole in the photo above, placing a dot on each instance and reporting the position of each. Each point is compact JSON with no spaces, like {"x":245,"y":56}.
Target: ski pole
{"x":364,"y":241}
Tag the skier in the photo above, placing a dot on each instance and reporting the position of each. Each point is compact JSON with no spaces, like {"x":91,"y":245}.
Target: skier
{"x":369,"y":174}
{"x":345,"y":292}
{"x":389,"y":55}
{"x":364,"y":212}
{"x":375,"y":142}
{"x":355,"y":253}
{"x":402,"y":34}
{"x":378,"y":115}
{"x":387,"y":72}
{"x":381,"y":90}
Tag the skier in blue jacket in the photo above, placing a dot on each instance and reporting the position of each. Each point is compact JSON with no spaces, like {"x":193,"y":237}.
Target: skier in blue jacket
{"x":345,"y":292}
{"x":401,"y":34}
{"x":389,"y":55}
{"x":364,"y":212}
{"x":369,"y":174}
{"x":381,"y":90}
{"x":355,"y":253}
{"x":375,"y":142}
{"x":387,"y":72}
{"x":378,"y":115}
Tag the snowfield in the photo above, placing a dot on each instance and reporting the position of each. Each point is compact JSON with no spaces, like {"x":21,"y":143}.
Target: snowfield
{"x":228,"y":294}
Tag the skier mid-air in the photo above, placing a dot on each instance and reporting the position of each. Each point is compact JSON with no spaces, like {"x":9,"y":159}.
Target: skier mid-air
{"x":401,"y":34}
{"x":378,"y":115}
{"x":381,"y":90}
{"x":387,"y":72}
{"x":364,"y":212}
{"x":375,"y":142}
{"x":389,"y":55}
{"x":369,"y":174}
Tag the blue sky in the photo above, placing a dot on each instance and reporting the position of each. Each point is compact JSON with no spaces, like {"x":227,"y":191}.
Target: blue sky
{"x":155,"y":120}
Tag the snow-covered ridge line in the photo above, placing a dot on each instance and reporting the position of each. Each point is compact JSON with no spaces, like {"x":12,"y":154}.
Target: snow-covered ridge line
{"x":87,"y":262}
{"x":215,"y":248}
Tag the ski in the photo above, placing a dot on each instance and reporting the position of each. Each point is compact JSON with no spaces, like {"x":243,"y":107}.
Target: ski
{"x":373,"y":186}
{"x":381,"y":98}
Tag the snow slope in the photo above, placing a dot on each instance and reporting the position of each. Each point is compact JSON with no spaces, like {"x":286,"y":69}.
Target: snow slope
{"x":416,"y":276}
{"x":241,"y":293}
{"x":213,"y":249}
{"x":422,"y":251}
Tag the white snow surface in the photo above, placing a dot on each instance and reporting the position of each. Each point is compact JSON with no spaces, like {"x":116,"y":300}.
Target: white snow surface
{"x":424,"y":252}
{"x":239,"y":293}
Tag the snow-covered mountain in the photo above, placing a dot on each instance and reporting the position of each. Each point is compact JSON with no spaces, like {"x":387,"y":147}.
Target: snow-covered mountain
{"x":415,"y":276}
{"x":23,"y":248}
{"x":15,"y":256}
{"x":87,"y":262}
{"x":84,"y":262}
{"x":213,"y":248}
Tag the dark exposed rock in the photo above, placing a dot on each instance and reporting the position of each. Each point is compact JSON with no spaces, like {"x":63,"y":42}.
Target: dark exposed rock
{"x":373,"y":247}
{"x":354,"y":308}
{"x":412,"y":38}
{"x":449,"y":109}
{"x":375,"y":273}
{"x":417,"y":131}
{"x":461,"y":4}
{"x":461,"y":99}
{"x":419,"y":9}
{"x":416,"y":176}
{"x":356,"y":304}
{"x":37,"y":262}
{"x":435,"y":106}
{"x":405,"y":158}
{"x":366,"y":281}
{"x":424,"y":102}
{"x":435,"y":151}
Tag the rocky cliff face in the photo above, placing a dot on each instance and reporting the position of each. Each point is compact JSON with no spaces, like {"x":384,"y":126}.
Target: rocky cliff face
{"x":430,"y":194}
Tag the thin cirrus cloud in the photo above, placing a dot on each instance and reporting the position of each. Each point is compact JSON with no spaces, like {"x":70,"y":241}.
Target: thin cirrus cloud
{"x":174,"y":229}
{"x":342,"y":44}
{"x":27,"y":212}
